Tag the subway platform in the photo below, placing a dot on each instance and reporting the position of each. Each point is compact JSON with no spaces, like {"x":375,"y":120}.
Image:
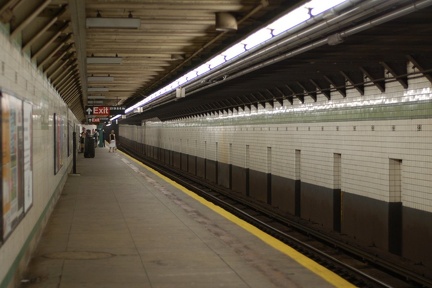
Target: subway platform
{"x":119,"y":224}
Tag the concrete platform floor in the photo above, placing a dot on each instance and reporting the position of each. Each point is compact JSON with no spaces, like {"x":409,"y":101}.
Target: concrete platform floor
{"x":120,"y":225}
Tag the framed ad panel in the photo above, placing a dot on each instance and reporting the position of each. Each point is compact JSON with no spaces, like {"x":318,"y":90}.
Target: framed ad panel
{"x":58,"y":126}
{"x":28,"y":155}
{"x":14,"y":172}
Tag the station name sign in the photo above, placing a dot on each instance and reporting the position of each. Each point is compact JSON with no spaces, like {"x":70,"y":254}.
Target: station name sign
{"x":100,"y":111}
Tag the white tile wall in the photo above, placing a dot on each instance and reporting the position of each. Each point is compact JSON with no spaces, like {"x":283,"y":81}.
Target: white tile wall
{"x":21,"y":78}
{"x":365,"y":146}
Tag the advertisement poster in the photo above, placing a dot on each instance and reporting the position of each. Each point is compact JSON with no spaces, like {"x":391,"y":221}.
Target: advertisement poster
{"x":70,"y":130}
{"x":12,"y":162}
{"x":58,"y":142}
{"x":28,"y":161}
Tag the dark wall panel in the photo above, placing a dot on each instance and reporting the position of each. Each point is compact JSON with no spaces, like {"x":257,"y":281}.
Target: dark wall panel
{"x":176,"y":159}
{"x":192,"y":164}
{"x":417,"y":235}
{"x":283,"y":194}
{"x":317,"y":204}
{"x":167,"y":156}
{"x":184,"y":162}
{"x":223,"y":175}
{"x":337,"y":209}
{"x":152,"y":152}
{"x":365,"y":219}
{"x":200,"y":167}
{"x":239,"y":179}
{"x":142,"y":149}
{"x":159,"y":152}
{"x":258,"y":186}
{"x":164,"y":155}
{"x":211,"y":171}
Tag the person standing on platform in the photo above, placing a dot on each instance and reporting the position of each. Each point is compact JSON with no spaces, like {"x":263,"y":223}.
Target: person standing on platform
{"x":82,"y":138}
{"x":96,"y":137}
{"x":112,"y":139}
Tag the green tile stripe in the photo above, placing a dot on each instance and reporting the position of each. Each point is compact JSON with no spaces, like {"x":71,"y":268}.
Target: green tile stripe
{"x":396,"y":111}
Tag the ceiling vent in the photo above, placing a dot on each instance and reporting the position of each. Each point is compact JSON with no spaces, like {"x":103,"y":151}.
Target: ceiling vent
{"x":225,"y":22}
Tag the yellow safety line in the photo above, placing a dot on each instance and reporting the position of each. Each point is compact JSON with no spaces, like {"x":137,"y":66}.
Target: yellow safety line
{"x":308,"y":263}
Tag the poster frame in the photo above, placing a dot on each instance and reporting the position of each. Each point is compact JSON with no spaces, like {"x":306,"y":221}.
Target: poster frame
{"x":18,"y":141}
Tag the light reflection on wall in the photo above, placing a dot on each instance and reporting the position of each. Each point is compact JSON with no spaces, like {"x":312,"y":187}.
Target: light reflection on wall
{"x":407,"y":96}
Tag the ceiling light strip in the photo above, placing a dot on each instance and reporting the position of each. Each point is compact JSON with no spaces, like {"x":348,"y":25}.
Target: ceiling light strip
{"x":113,"y":23}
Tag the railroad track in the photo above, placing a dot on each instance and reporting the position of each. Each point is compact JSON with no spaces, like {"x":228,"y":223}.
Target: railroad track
{"x":360,"y":267}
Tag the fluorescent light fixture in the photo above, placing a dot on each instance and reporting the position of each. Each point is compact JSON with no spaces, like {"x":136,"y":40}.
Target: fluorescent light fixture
{"x":257,"y":38}
{"x":97,"y":89}
{"x":100,"y":79}
{"x":234,"y":51}
{"x":216,"y":61}
{"x":113,"y":23}
{"x":104,"y":60}
{"x":283,"y":24}
{"x":96,"y":97}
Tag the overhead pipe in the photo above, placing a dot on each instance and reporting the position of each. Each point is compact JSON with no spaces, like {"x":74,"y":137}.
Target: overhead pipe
{"x":281,"y":41}
{"x":277,"y":38}
{"x":298,"y":34}
{"x":263,"y":54}
{"x":385,"y":18}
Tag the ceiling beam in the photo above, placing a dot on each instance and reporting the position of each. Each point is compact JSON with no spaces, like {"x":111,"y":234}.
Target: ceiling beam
{"x":30,"y":18}
{"x":377,"y":77}
{"x":428,"y":75}
{"x":52,"y":39}
{"x":298,"y":94}
{"x":356,"y":80}
{"x":307,"y":91}
{"x":51,"y":55}
{"x":337,"y":84}
{"x":401,"y":76}
{"x":45,"y":28}
{"x":6,"y":11}
{"x":78,"y":18}
{"x":325,"y":91}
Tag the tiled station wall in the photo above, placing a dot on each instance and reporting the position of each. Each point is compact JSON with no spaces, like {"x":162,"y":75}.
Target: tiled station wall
{"x":376,"y":148}
{"x":20,"y":77}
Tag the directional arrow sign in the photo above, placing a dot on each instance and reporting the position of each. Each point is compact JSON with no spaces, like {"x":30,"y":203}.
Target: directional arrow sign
{"x":94,"y":120}
{"x":98,"y":110}
{"x":101,"y":110}
{"x":104,"y":110}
